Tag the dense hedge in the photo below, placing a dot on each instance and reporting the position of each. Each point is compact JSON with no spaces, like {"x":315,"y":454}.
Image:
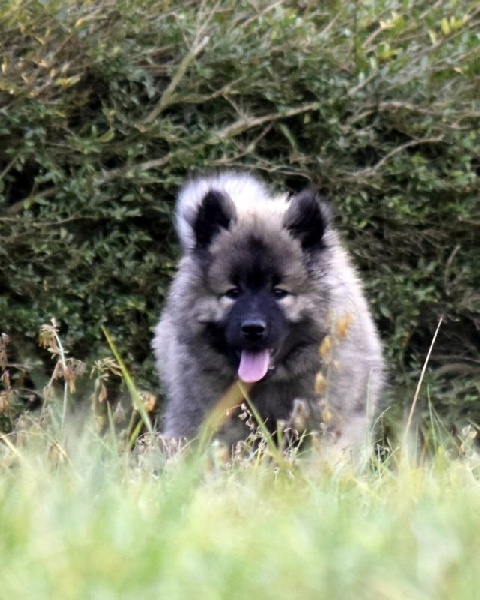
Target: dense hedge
{"x":105,"y":106}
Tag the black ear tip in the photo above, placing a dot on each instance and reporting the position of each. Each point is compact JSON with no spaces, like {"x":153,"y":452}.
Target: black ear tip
{"x":307,"y":218}
{"x":311,"y":201}
{"x":212,"y":200}
{"x":215,"y":212}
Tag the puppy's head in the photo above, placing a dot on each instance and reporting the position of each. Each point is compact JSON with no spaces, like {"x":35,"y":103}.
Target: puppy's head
{"x":255,"y":261}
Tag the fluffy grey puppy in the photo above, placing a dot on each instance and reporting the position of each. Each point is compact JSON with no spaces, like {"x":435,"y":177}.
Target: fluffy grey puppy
{"x":265,"y":293}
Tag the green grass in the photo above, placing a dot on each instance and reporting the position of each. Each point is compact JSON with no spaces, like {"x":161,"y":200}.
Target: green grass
{"x":85,"y":516}
{"x":85,"y":520}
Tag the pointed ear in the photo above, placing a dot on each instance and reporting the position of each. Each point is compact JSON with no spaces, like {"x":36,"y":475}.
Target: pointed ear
{"x":215,"y":212}
{"x":307,"y":219}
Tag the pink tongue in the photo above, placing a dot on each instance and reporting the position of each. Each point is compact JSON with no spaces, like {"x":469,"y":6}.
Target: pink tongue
{"x":253,"y":365}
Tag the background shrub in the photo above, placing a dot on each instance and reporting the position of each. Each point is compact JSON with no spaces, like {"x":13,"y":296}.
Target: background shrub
{"x":106,"y":106}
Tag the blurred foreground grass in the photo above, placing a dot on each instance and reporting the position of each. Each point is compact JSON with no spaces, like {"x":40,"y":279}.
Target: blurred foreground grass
{"x":82,"y":519}
{"x":89,"y":510}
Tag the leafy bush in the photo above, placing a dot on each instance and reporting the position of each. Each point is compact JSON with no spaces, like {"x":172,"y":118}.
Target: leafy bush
{"x":105,"y":107}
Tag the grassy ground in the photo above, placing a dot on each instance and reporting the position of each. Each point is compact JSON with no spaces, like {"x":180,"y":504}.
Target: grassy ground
{"x":80,"y":518}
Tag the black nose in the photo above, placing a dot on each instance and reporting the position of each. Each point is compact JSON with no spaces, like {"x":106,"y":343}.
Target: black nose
{"x":253,"y":329}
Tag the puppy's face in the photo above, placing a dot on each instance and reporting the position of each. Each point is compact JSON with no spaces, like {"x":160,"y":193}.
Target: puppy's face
{"x":255,"y":268}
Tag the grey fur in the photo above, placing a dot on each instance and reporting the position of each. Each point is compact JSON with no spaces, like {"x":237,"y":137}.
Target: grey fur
{"x":326,"y":301}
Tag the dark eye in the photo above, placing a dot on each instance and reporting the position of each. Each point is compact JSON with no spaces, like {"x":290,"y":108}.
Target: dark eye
{"x":279,"y":293}
{"x":232,"y":293}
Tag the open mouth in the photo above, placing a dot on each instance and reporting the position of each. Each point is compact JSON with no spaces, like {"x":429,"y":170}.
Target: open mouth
{"x":254,"y":364}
